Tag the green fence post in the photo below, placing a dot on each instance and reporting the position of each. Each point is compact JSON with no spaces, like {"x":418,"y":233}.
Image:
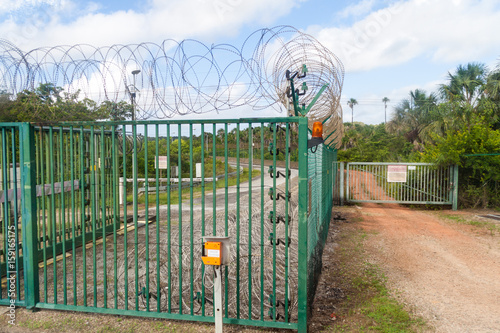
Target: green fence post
{"x":302,"y":227}
{"x":29,"y":216}
{"x":455,"y":188}
{"x":341,"y":183}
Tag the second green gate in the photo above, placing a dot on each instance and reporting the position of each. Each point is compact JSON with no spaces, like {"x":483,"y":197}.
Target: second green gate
{"x":404,"y":183}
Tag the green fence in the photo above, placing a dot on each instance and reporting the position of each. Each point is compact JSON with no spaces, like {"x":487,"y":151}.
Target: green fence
{"x":109,"y":217}
{"x":321,"y":181}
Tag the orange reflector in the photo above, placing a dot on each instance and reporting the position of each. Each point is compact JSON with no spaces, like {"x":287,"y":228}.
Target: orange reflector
{"x":317,"y":131}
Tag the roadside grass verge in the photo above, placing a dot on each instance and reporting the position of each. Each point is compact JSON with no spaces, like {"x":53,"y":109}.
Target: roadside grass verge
{"x":174,"y":194}
{"x":492,"y":227}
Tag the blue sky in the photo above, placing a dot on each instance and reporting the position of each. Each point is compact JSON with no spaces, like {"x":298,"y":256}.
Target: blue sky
{"x":388,"y":47}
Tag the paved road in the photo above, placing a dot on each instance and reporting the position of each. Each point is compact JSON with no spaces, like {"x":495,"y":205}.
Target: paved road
{"x":220,"y":194}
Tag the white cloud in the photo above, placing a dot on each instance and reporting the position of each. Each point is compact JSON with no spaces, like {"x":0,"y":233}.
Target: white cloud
{"x":444,"y":31}
{"x":358,"y":9}
{"x":176,"y":19}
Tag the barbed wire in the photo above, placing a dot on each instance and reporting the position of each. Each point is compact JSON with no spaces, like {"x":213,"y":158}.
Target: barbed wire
{"x":180,"y":78}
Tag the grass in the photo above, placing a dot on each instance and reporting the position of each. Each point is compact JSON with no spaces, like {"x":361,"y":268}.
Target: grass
{"x":367,"y":304}
{"x":67,"y":321}
{"x":492,"y":227}
{"x":174,"y":195}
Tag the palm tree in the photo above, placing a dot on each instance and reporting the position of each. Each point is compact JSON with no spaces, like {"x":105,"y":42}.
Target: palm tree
{"x":351,"y":102}
{"x":492,"y":89}
{"x":467,"y":84}
{"x":385,"y":100}
{"x":413,"y":115}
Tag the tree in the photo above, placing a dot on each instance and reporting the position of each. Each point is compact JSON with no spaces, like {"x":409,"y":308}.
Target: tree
{"x":467,"y":84}
{"x":351,"y":102}
{"x":117,"y":111}
{"x":412,"y":116}
{"x":385,"y":100}
{"x":479,"y":175}
{"x":49,"y":103}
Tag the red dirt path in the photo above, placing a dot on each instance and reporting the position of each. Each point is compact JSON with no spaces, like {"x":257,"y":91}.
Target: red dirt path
{"x":449,"y":273}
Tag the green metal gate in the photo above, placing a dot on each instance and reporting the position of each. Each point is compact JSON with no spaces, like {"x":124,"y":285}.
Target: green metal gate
{"x":97,"y":224}
{"x":405,"y":183}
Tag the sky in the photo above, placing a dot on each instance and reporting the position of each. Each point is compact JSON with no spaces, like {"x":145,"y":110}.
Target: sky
{"x":388,"y":47}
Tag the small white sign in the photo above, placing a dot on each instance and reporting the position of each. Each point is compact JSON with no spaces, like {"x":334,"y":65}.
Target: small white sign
{"x":198,"y":170}
{"x":396,"y":173}
{"x":412,"y":167}
{"x":162,"y":162}
{"x":213,"y":253}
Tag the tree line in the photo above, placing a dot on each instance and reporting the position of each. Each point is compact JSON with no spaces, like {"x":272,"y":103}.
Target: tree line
{"x":459,"y":123}
{"x":48,"y":103}
{"x":452,"y":125}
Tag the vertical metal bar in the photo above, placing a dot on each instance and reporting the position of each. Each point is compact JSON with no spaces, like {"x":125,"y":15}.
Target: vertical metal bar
{"x":274,"y":238}
{"x":169,"y":225}
{"x":83,"y":185}
{"x":341,"y":183}
{"x":52,"y":212}
{"x":125,"y":224}
{"x":62,"y":214}
{"x":93,"y":210}
{"x":348,"y":197}
{"x":73,"y":210}
{"x":102,"y":167}
{"x":203,"y":210}
{"x":179,"y":163}
{"x":302,"y":227}
{"x":191,"y":221}
{"x":237,"y":220}
{"x":214,"y":180}
{"x":146,"y":213}
{"x":226,"y":217}
{"x":15,"y":202}
{"x":5,"y":183}
{"x":29,"y":218}
{"x":287,"y":203}
{"x":157,"y":157}
{"x":441,"y":185}
{"x":135,"y":213}
{"x":428,"y":186}
{"x":116,"y":211}
{"x":43,"y":152}
{"x":250,"y":228}
{"x":262,"y":213}
{"x":455,"y":187}
{"x":214,"y":192}
{"x":369,"y":181}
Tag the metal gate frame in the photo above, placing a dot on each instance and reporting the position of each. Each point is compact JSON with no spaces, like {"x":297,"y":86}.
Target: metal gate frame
{"x":426,"y":184}
{"x":22,"y":144}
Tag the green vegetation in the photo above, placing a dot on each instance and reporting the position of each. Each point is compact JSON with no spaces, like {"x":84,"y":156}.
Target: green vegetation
{"x":48,"y":103}
{"x":462,"y":118}
{"x":492,"y":227}
{"x":174,"y":195}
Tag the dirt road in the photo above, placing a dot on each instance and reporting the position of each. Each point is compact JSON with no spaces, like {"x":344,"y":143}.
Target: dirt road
{"x":450,"y":274}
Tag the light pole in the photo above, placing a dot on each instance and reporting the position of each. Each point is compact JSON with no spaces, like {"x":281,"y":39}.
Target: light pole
{"x":133,"y":94}
{"x":134,"y":161}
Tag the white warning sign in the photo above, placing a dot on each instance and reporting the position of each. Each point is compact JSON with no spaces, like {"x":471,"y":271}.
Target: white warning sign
{"x":396,"y":173}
